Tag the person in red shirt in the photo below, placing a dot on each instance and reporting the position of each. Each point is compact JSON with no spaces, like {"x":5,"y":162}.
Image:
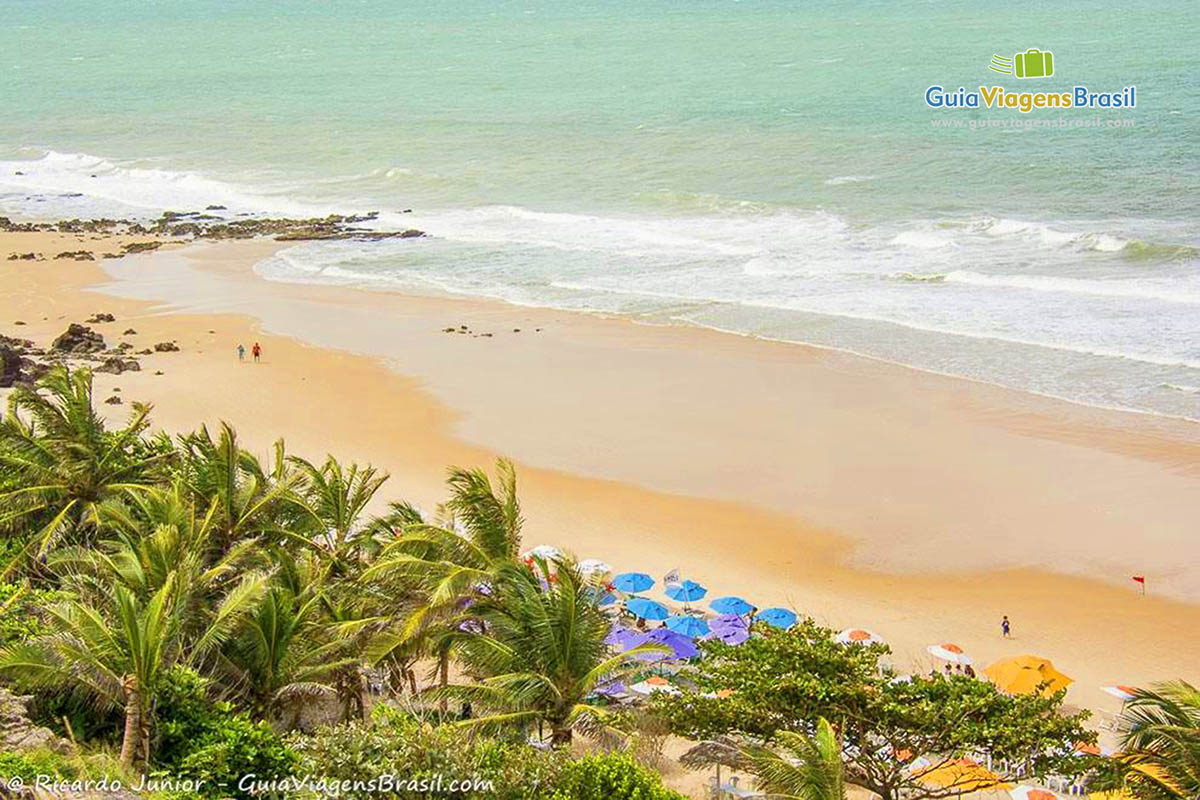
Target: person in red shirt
{"x":256,"y":351}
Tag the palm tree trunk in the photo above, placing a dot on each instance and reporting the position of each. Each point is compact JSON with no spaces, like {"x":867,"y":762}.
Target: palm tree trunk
{"x":133,"y":722}
{"x":444,"y":677}
{"x":364,"y":697}
{"x":412,"y":680}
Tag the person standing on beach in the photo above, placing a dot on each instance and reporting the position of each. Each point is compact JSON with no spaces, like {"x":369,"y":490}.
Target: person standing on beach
{"x":241,"y":352}
{"x":256,"y":351}
{"x":1006,"y":627}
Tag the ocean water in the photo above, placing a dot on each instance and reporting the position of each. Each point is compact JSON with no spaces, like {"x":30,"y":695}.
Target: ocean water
{"x":759,"y":166}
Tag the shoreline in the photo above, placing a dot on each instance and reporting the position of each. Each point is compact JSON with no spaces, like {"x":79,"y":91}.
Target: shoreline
{"x":359,"y":408}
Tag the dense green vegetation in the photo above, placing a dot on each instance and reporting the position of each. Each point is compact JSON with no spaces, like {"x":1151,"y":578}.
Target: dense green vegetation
{"x":180,"y":607}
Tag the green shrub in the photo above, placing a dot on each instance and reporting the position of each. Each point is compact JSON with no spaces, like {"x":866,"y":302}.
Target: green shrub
{"x":30,"y":764}
{"x":397,"y":744}
{"x":610,"y":776}
{"x":198,"y":739}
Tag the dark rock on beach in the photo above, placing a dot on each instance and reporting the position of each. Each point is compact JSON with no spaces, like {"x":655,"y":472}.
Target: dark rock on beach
{"x":10,"y":366}
{"x":101,"y":317}
{"x":139,"y":247}
{"x":115,"y":366}
{"x":77,"y":255}
{"x":79,"y":339}
{"x":129,"y":332}
{"x":113,"y":401}
{"x":166,"y":347}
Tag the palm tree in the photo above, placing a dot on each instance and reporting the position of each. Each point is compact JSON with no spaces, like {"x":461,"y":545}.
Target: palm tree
{"x":448,"y":563}
{"x":282,"y":656}
{"x":63,"y":460}
{"x":250,"y":499}
{"x":1161,"y":741}
{"x":335,"y":498}
{"x":113,"y":651}
{"x":541,"y":652}
{"x":796,"y":767}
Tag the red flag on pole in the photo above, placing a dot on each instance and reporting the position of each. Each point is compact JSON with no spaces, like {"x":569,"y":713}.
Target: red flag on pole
{"x":1140,"y":578}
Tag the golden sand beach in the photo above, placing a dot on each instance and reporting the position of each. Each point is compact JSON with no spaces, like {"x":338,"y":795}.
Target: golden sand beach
{"x":861,"y":493}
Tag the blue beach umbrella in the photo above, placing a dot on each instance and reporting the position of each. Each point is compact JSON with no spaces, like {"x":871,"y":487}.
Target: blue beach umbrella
{"x":686,"y":592}
{"x":724,"y":621}
{"x":688,"y":626}
{"x":731,"y":605}
{"x":779,"y":617}
{"x":632,"y":582}
{"x":646,"y":608}
{"x":602,"y":597}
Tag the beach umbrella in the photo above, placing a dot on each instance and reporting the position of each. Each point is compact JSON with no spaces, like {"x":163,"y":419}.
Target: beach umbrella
{"x":688,"y":626}
{"x":949,"y":652}
{"x":1120,"y":692}
{"x":653,"y":685}
{"x":624,"y":638}
{"x":730,"y":605}
{"x":730,"y":635}
{"x":646,"y":608}
{"x":632,"y":582}
{"x":546,"y":552}
{"x":610,"y":689}
{"x":722,"y":621}
{"x":680,"y":645}
{"x":594,"y":568}
{"x":686,"y":592}
{"x":777,"y":617}
{"x":1025,"y":675}
{"x":965,"y":775}
{"x":1032,"y":793}
{"x":858,"y":636}
{"x":602,"y":597}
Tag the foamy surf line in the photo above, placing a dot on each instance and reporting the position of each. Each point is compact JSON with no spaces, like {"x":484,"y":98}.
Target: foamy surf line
{"x":986,"y":279}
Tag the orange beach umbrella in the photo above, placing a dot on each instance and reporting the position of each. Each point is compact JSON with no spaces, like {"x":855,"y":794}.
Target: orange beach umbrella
{"x":1026,"y":675}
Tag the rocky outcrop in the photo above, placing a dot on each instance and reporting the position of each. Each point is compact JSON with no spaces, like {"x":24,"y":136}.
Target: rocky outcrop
{"x":18,"y":732}
{"x":77,"y":255}
{"x":15,"y":364}
{"x":115,"y":366}
{"x":101,"y":317}
{"x":78,"y":339}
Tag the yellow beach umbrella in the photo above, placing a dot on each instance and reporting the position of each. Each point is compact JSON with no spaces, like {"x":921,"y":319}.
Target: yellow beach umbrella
{"x":1024,"y":674}
{"x":966,"y":775}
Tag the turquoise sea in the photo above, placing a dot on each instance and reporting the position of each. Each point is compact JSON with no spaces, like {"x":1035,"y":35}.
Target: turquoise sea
{"x":765,"y":167}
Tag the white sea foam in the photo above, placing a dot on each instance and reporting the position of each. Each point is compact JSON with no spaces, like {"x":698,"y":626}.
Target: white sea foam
{"x":1143,"y":289}
{"x":139,"y":188}
{"x":841,"y":180}
{"x":950,"y":279}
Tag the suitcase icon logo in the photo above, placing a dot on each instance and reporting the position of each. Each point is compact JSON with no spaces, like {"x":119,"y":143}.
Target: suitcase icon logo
{"x":1033,"y":63}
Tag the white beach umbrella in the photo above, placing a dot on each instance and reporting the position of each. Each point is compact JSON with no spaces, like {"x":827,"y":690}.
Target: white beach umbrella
{"x":859,"y":636}
{"x":594,"y":567}
{"x":1119,"y":691}
{"x":546,"y":552}
{"x":948,"y":651}
{"x":655,"y":683}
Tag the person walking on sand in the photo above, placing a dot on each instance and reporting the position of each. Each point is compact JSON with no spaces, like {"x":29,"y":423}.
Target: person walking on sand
{"x":1006,"y":627}
{"x":256,"y":351}
{"x":241,"y":352}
